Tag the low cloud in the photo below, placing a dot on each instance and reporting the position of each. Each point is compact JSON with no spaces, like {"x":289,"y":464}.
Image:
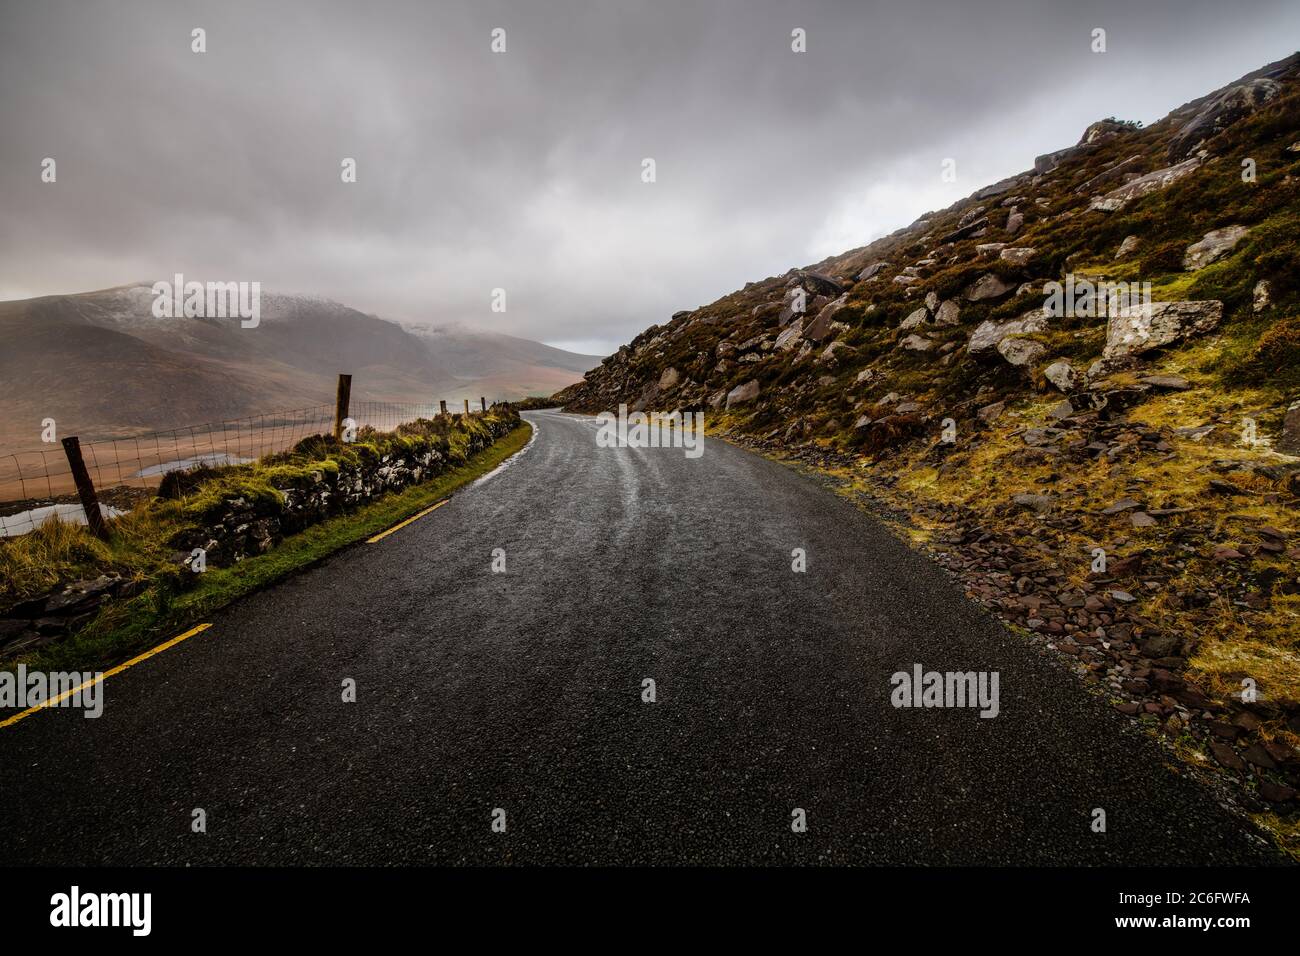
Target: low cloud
{"x":522,"y":170}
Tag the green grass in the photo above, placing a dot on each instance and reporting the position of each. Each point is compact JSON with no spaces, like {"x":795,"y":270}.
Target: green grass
{"x":125,"y":628}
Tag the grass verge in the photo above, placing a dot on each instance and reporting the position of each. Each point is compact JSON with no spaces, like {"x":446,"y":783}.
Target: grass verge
{"x":125,"y":628}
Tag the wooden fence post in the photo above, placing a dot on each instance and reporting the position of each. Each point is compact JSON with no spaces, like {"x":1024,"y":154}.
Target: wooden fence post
{"x":85,"y":488}
{"x":467,"y":406}
{"x":341,"y":399}
{"x":442,"y":403}
{"x":483,"y":401}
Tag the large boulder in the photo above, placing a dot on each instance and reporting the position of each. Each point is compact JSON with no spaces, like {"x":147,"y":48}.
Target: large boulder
{"x":988,"y":286}
{"x":916,"y":343}
{"x":1018,"y":256}
{"x":743,"y":393}
{"x":1020,"y":352}
{"x":988,"y":334}
{"x":791,"y":337}
{"x":1049,"y":161}
{"x":965,"y":230}
{"x":949,"y":314}
{"x":1153,"y":325}
{"x":1228,"y":107}
{"x":1160,"y":179}
{"x":1061,"y":374}
{"x":870,"y":271}
{"x":819,"y":284}
{"x":915,"y":320}
{"x":794,"y":304}
{"x":1215,"y":245}
{"x":820,"y":327}
{"x":1127,"y":247}
{"x":669,"y":378}
{"x":1000,"y":187}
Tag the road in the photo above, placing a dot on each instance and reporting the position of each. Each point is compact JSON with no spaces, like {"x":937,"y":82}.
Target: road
{"x":522,"y":691}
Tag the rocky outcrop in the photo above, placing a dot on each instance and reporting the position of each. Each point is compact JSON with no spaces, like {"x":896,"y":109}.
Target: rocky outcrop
{"x":1215,"y":245}
{"x":988,"y":286}
{"x":742,"y":394}
{"x":949,"y":314}
{"x":988,"y":334}
{"x":915,"y":320}
{"x":1061,"y":374}
{"x":1147,"y":327}
{"x":1020,"y":352}
{"x":1017,"y":256}
{"x":789,"y":338}
{"x":1118,"y":198}
{"x":818,"y":284}
{"x":820,"y":327}
{"x":1228,"y":107}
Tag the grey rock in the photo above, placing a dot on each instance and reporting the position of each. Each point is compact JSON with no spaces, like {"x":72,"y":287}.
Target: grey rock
{"x":1230,"y":106}
{"x":820,"y":327}
{"x":1143,"y":328}
{"x":743,"y":393}
{"x":1020,"y":352}
{"x":949,"y":314}
{"x":790,"y":337}
{"x":1168,"y":383}
{"x":915,"y":320}
{"x":1120,"y":197}
{"x":989,"y":333}
{"x":988,"y":286}
{"x":820,"y":284}
{"x":1215,"y":245}
{"x":1061,"y":374}
{"x":1041,"y":504}
{"x":1261,"y":299}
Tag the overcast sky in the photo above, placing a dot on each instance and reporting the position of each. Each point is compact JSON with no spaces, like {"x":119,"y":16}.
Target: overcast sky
{"x":522,"y":170}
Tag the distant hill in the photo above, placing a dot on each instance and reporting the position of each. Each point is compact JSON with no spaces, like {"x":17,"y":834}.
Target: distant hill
{"x":101,"y":364}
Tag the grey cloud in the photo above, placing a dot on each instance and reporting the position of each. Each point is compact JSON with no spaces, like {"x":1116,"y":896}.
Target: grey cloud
{"x":522,"y":170}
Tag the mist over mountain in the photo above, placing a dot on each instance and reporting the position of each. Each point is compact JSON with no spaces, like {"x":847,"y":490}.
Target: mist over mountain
{"x":102,"y":364}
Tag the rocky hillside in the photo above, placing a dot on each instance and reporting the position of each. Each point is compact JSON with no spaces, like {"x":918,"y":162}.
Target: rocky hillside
{"x":1021,"y":432}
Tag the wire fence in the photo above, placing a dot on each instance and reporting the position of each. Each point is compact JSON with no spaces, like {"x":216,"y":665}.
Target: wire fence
{"x":123,"y":469}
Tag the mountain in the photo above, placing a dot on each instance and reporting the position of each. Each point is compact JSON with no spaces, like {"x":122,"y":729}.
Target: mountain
{"x":1117,"y":480}
{"x":101,"y":364}
{"x":927,"y":311}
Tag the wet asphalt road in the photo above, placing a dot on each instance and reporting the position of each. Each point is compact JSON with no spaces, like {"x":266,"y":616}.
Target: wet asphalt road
{"x":523,"y":691}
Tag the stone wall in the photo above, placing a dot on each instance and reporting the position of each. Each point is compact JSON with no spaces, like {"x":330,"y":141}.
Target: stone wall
{"x":241,"y":527}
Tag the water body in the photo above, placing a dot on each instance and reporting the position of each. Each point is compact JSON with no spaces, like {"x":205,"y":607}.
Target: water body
{"x":25,"y":521}
{"x":215,"y":460}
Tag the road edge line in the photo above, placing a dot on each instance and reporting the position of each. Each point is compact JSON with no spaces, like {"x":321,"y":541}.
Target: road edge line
{"x":402,"y":524}
{"x":44,"y":705}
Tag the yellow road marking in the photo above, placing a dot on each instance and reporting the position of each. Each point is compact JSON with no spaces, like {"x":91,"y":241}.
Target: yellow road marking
{"x":403,"y":524}
{"x":107,"y":674}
